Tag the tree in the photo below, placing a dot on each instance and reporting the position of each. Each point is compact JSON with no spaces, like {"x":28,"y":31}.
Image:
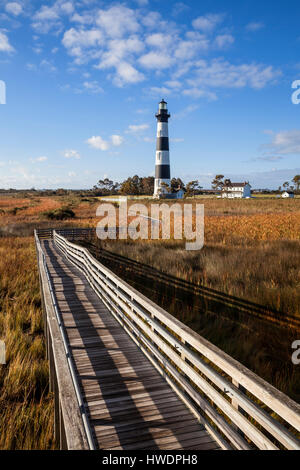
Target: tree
{"x":148,"y":185}
{"x":286,"y":185}
{"x":105,"y":185}
{"x":218,"y":182}
{"x":177,"y":183}
{"x":192,"y":187}
{"x":296,"y":181}
{"x":130,"y":187}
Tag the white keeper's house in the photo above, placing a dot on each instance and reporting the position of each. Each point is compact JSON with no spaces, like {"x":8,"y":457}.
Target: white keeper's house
{"x":236,"y":190}
{"x":288,"y":194}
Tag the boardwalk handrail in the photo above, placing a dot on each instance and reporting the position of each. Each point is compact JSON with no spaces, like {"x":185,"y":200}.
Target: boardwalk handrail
{"x":71,"y":423}
{"x":246,"y":410}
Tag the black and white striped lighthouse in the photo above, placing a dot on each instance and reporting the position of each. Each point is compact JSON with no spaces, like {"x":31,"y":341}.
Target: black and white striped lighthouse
{"x":162,"y":162}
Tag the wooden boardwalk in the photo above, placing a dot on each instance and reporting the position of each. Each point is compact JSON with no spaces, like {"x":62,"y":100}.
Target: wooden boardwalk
{"x":130,"y":406}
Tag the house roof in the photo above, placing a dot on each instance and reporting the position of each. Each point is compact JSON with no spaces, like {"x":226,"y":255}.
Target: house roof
{"x":235,"y":185}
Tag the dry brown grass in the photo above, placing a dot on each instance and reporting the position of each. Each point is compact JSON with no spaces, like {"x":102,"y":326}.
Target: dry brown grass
{"x":252,"y":250}
{"x":26,"y":407}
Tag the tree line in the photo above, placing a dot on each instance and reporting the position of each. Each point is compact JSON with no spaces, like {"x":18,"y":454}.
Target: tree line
{"x":142,"y":186}
{"x":219,"y":182}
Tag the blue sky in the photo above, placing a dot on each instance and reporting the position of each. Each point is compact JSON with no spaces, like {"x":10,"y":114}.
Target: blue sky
{"x":83,"y":79}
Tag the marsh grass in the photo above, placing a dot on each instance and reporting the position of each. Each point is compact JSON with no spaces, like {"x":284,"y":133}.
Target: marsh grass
{"x":238,"y":258}
{"x":26,"y":406}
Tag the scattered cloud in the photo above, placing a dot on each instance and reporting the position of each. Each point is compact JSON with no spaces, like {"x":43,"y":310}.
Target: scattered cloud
{"x":49,"y":18}
{"x":222,"y":74}
{"x":39,"y":159}
{"x":97,"y":142}
{"x":208,"y":22}
{"x":92,"y":87}
{"x":14,"y":8}
{"x":118,"y":21}
{"x":285,"y":143}
{"x":137,"y":128}
{"x":179,"y":8}
{"x":254,"y":26}
{"x":269,"y":158}
{"x":224,"y":40}
{"x":5,"y":45}
{"x":198,"y":93}
{"x":71,"y":154}
{"x":117,"y":140}
{"x":131,"y":43}
{"x":185,"y":111}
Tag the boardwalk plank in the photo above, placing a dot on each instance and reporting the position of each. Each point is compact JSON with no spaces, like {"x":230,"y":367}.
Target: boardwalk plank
{"x":130,"y":405}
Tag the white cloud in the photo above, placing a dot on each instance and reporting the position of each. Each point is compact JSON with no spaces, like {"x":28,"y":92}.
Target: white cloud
{"x":270,"y":158}
{"x":142,"y":3}
{"x":285,"y":142}
{"x":93,"y":87}
{"x":119,"y":56}
{"x":82,"y":38}
{"x":47,"y":66}
{"x":71,"y":154}
{"x":82,"y":43}
{"x":174,"y":84}
{"x":131,"y":44}
{"x":198,"y":93}
{"x":14,"y":8}
{"x":126,"y":73}
{"x":152,"y":20}
{"x":224,"y":40}
{"x":39,"y":159}
{"x":117,"y":140}
{"x":5,"y":46}
{"x":46,"y":13}
{"x":254,"y":26}
{"x":187,"y":50}
{"x":185,"y":111}
{"x":159,"y":40}
{"x":50,"y":17}
{"x":208,"y":22}
{"x":137,"y":128}
{"x":85,"y":18}
{"x":97,"y":142}
{"x":67,"y":7}
{"x":118,"y":21}
{"x":159,"y":91}
{"x":223,"y":74}
{"x":178,"y":8}
{"x":156,"y":60}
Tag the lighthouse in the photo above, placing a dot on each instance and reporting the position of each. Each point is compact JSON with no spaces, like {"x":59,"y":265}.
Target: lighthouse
{"x":162,"y":161}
